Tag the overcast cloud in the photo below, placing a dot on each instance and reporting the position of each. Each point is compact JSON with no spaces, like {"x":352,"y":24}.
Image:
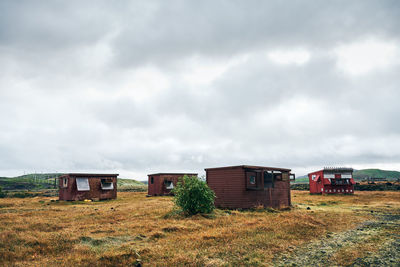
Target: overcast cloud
{"x":134,"y":87}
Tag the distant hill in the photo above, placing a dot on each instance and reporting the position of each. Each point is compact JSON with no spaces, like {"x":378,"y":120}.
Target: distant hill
{"x":35,"y":182}
{"x":301,"y":180}
{"x":376,"y":173}
{"x":121,"y":183}
{"x":29,"y":181}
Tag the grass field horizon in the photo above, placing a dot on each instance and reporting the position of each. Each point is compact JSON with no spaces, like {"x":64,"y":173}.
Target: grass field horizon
{"x":133,"y":228}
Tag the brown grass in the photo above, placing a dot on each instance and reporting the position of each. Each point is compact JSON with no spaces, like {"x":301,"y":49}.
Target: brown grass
{"x":38,"y":232}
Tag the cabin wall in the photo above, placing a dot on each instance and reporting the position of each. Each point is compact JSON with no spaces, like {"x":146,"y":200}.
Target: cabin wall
{"x":323,"y":186}
{"x":158,"y":187}
{"x":95,"y":193}
{"x":229,"y":185}
{"x":316,"y":187}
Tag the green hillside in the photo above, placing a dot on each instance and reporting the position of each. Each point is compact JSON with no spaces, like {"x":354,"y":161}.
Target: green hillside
{"x":121,"y":183}
{"x":29,"y":181}
{"x":301,"y":180}
{"x":376,"y":173}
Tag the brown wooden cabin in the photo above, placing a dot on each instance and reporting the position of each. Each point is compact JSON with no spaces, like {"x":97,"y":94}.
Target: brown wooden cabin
{"x":244,"y":186}
{"x":160,"y":184}
{"x":81,"y":186}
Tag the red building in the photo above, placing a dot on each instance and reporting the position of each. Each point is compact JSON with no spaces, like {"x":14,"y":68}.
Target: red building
{"x":81,"y":186}
{"x":250,"y":186}
{"x":332,"y":181}
{"x":160,"y":184}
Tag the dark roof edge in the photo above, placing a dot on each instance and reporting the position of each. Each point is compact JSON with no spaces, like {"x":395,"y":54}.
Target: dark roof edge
{"x":249,"y":167}
{"x":91,"y":174}
{"x":172,"y":173}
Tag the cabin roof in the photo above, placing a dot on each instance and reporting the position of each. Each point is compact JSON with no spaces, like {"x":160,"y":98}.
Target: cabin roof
{"x":90,"y":175}
{"x":250,"y":167}
{"x":172,"y":173}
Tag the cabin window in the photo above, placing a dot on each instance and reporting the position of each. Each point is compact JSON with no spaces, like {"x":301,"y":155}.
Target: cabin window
{"x":268,"y":180}
{"x":169,"y":184}
{"x":107,"y":184}
{"x":65,"y":182}
{"x":252,"y":182}
{"x":152,"y":180}
{"x":82,"y":184}
{"x":313,"y":177}
{"x":285,"y":176}
{"x":252,"y":179}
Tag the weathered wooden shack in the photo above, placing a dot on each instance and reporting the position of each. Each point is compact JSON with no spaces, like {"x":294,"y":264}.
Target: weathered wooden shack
{"x":332,"y":180}
{"x":160,"y":184}
{"x":247,"y":186}
{"x":81,"y":186}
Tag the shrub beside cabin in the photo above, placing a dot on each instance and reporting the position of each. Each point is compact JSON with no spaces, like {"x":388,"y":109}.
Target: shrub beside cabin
{"x":160,"y":184}
{"x":250,"y":186}
{"x":332,"y":181}
{"x":81,"y":186}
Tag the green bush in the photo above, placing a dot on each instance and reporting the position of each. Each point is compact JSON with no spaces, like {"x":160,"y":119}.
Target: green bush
{"x":2,"y":194}
{"x":194,"y":196}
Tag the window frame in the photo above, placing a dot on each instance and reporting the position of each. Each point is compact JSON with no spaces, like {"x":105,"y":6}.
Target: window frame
{"x":65,"y":182}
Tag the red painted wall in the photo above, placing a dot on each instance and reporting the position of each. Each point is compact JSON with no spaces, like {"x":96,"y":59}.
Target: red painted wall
{"x":323,"y":185}
{"x":96,"y":193}
{"x":231,"y":189}
{"x":158,"y":188}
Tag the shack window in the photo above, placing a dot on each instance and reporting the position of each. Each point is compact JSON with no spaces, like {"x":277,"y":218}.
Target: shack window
{"x":169,"y":184}
{"x":107,"y":184}
{"x":268,"y":180}
{"x":152,"y":180}
{"x":252,"y":179}
{"x":65,"y":182}
{"x":82,"y":184}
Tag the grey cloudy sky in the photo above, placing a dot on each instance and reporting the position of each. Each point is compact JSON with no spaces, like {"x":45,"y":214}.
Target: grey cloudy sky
{"x":135,"y":87}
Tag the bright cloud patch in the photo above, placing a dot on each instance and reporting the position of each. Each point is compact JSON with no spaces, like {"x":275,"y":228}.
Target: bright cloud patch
{"x":298,"y":57}
{"x":363,"y":57}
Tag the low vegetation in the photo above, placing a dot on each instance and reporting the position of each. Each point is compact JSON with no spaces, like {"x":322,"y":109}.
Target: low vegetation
{"x":41,"y":231}
{"x":193,"y":196}
{"x":378,"y":186}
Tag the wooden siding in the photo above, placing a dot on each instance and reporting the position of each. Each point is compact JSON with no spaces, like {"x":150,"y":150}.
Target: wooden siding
{"x":323,"y":186}
{"x":158,"y":188}
{"x":229,"y":185}
{"x":95,"y":193}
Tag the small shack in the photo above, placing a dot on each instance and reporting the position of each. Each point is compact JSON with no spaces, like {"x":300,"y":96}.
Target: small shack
{"x":332,"y":180}
{"x":247,"y":186}
{"x":81,"y":186}
{"x":160,"y":184}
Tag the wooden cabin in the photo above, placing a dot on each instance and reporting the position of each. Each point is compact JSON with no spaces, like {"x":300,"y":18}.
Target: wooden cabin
{"x":332,"y":181}
{"x":247,"y":186}
{"x":81,"y":186}
{"x":160,"y":184}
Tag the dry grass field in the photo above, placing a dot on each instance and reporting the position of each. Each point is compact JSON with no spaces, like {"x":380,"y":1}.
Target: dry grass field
{"x":43,"y":232}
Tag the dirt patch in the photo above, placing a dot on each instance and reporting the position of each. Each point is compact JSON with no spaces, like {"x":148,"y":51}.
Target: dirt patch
{"x":374,"y":242}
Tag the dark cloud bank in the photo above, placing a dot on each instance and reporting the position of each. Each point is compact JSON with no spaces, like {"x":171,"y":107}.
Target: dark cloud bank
{"x":138,"y":87}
